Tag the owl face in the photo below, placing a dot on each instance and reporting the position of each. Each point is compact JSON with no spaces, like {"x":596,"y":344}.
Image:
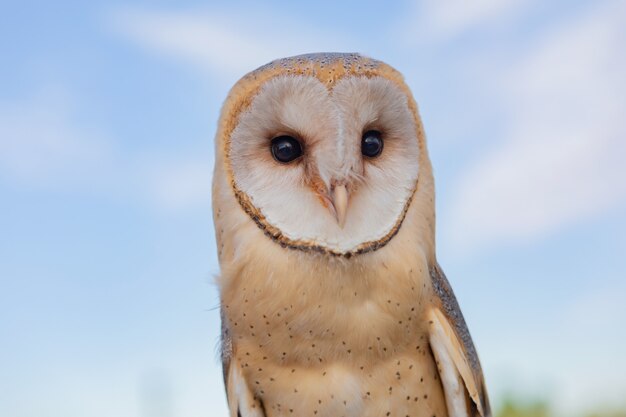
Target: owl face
{"x":329,"y":167}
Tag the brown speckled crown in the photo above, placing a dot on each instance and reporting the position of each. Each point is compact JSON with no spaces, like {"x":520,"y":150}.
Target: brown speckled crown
{"x":328,"y":68}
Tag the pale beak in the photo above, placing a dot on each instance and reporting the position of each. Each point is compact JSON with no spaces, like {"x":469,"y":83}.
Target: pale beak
{"x":340,"y":203}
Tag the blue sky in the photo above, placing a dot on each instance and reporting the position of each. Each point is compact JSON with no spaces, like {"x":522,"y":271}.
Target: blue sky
{"x":107,"y":117}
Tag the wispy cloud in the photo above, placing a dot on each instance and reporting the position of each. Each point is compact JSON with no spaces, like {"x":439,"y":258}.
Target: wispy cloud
{"x":221,"y":44}
{"x":560,"y":159}
{"x":436,"y":21}
{"x":43,"y":145}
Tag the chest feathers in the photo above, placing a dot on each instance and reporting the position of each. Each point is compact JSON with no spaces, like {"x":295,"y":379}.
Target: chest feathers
{"x":335,"y":337}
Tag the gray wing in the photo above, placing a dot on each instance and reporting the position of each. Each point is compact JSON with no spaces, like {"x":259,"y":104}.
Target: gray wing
{"x":461,"y":342}
{"x":226,"y":348}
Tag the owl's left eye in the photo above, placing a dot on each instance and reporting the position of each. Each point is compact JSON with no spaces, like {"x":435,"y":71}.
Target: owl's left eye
{"x":286,"y":149}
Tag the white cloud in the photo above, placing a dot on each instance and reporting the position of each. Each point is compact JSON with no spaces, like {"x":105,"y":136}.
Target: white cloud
{"x":561,"y":158}
{"x":443,"y":20}
{"x":227,"y":45}
{"x":43,"y":145}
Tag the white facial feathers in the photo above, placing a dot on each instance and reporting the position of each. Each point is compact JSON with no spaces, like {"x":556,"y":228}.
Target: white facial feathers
{"x":330,"y":125}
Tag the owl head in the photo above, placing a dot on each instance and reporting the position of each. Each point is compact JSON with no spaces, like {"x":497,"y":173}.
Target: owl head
{"x":323,"y":153}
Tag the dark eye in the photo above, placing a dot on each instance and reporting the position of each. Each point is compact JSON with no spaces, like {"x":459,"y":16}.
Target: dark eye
{"x":286,"y":149}
{"x":372,"y":143}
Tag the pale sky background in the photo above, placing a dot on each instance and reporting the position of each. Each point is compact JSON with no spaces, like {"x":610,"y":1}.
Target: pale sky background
{"x":107,"y":256}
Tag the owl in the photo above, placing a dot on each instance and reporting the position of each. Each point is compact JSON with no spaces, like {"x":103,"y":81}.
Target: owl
{"x":332,"y":300}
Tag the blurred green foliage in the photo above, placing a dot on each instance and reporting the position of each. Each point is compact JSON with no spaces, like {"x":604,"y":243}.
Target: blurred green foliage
{"x":515,"y":408}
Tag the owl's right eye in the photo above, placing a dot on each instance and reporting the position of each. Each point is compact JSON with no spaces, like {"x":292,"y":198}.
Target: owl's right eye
{"x":286,"y":149}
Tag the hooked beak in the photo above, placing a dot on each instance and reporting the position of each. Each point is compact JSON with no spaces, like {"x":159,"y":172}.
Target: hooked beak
{"x":339,"y":199}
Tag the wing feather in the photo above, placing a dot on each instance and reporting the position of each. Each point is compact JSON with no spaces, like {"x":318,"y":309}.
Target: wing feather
{"x":241,"y":401}
{"x":453,"y":347}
